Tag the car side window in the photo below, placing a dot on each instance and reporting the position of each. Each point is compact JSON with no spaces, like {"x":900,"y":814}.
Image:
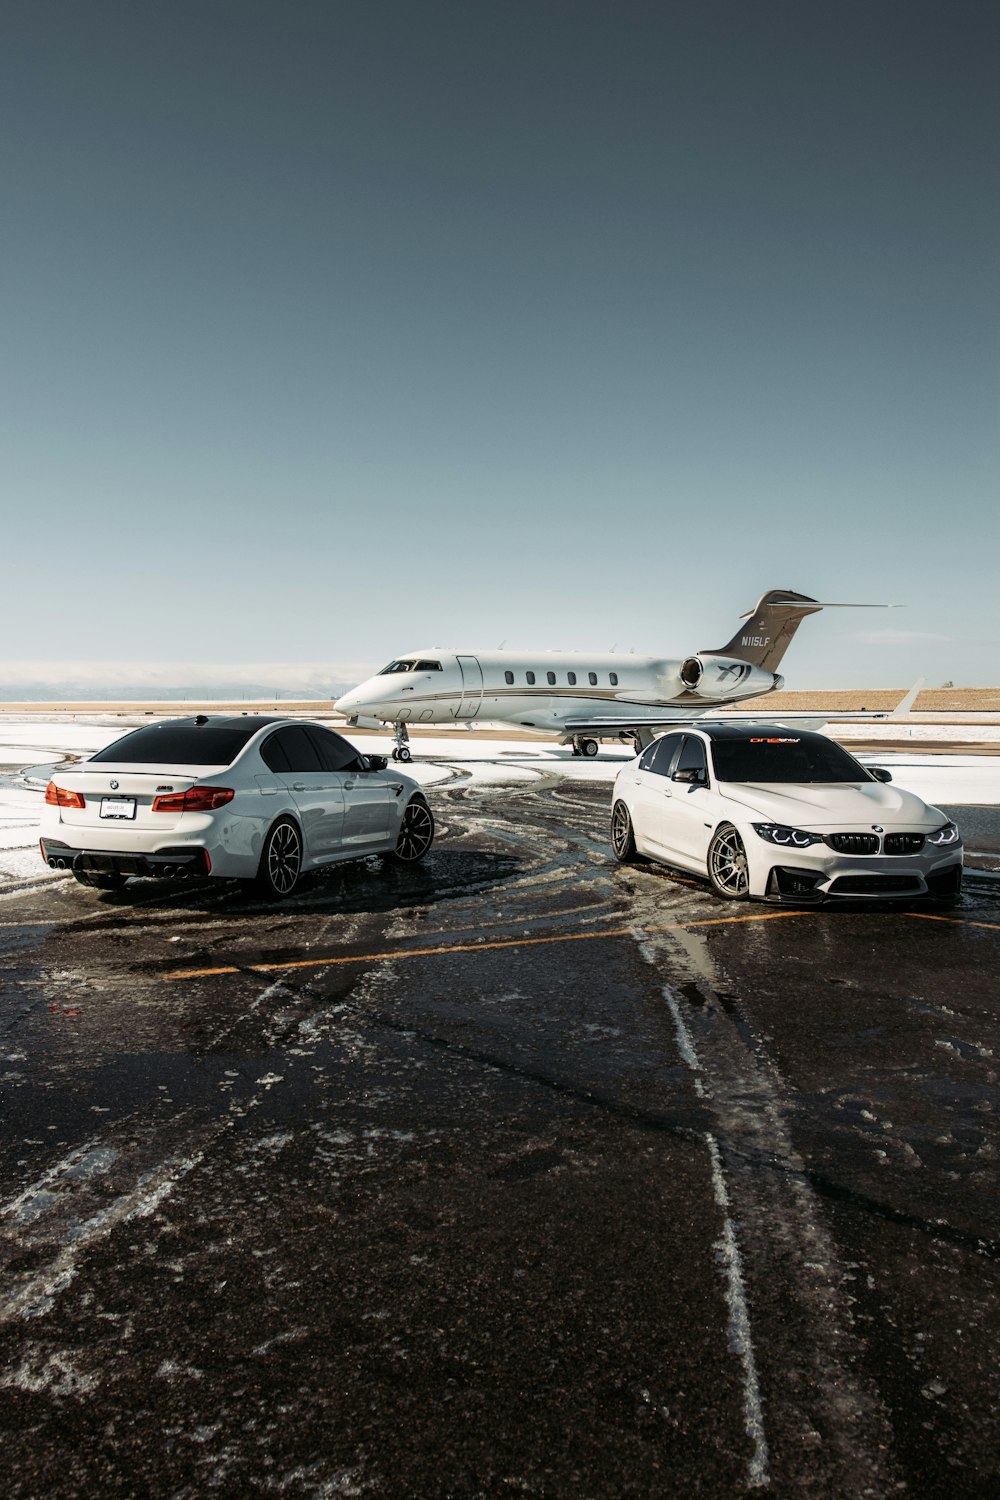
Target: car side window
{"x":335,"y":753}
{"x":661,"y":752}
{"x":299,"y":748}
{"x":692,"y":756}
{"x":666,"y":749}
{"x":272,"y":753}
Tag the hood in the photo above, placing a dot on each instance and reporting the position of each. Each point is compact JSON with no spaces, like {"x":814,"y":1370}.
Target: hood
{"x":828,"y":806}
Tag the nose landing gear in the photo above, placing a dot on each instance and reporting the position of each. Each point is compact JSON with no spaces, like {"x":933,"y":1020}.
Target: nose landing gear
{"x":401,"y":750}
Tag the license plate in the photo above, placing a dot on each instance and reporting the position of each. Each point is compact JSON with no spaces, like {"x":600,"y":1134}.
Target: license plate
{"x":117,"y":807}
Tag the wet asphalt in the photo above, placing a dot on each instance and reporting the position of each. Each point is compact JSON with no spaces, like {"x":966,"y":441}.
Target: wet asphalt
{"x":519,"y":1173}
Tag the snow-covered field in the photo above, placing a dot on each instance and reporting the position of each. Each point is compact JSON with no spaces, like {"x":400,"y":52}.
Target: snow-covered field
{"x":30,"y":746}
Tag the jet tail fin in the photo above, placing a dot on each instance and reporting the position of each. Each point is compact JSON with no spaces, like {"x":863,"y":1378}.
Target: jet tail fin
{"x":772,"y":623}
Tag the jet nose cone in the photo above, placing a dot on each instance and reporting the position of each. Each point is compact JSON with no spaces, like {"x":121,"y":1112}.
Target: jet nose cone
{"x":345,"y":704}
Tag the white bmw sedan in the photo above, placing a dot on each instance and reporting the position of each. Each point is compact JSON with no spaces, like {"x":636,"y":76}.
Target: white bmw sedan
{"x":781,"y":815}
{"x":247,"y":798}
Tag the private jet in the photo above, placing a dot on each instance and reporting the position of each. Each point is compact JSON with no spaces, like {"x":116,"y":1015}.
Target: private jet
{"x":581,"y":696}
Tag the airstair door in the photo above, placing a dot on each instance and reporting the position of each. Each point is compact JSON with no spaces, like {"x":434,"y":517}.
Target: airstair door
{"x":472,"y":687}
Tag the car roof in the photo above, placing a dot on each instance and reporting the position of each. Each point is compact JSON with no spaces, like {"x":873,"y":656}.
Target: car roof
{"x":222,"y":721}
{"x":755,"y":731}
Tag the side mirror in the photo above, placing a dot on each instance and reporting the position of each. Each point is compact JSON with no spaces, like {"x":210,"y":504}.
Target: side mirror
{"x":694,"y":776}
{"x":377,"y":762}
{"x":880,"y":773}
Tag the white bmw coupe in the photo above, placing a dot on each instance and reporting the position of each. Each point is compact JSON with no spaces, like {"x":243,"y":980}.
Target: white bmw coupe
{"x":781,"y":815}
{"x":247,"y":798}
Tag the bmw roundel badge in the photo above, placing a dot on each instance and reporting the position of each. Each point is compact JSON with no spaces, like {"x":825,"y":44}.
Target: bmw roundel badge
{"x":877,"y":828}
{"x":114,"y":785}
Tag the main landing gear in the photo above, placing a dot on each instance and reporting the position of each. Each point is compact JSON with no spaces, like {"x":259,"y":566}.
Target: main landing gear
{"x":401,"y":750}
{"x":584,"y":747}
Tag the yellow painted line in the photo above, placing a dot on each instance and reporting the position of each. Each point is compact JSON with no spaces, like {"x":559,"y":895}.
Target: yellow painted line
{"x":443,"y":950}
{"x":933,"y":916}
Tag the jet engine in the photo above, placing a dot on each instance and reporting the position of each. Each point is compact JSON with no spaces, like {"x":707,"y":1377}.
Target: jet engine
{"x":715,"y":677}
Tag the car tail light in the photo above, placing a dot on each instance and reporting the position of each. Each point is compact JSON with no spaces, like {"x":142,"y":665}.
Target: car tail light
{"x":58,"y":796}
{"x":195,"y":799}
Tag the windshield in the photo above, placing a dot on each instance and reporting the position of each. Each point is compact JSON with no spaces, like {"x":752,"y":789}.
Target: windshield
{"x":180,"y":744}
{"x":396,"y":666}
{"x":774,"y":758}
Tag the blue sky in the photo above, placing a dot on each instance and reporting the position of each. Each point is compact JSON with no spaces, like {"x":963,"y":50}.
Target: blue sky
{"x":331,"y":330}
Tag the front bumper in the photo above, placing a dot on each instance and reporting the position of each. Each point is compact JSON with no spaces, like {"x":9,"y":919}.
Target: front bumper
{"x":181,"y":863}
{"x":874,"y":879}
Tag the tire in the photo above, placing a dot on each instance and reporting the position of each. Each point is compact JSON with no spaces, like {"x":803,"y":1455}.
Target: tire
{"x":589,"y":748}
{"x":416,"y":832}
{"x":622,"y":834}
{"x":96,"y":882}
{"x":280,"y":865}
{"x":405,"y":755}
{"x":727,"y":864}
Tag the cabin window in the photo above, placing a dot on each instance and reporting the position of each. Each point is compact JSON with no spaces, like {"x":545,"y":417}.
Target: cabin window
{"x":550,"y":678}
{"x":571,"y":678}
{"x":427,"y":666}
{"x":508,"y":678}
{"x":530,"y":678}
{"x":592,"y":678}
{"x":613,"y":678}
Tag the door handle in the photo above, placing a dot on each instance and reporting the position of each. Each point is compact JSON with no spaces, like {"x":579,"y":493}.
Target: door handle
{"x":348,"y":786}
{"x":298,"y":786}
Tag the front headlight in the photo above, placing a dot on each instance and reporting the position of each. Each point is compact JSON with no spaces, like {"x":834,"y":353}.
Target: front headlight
{"x":945,"y":836}
{"x":788,"y":838}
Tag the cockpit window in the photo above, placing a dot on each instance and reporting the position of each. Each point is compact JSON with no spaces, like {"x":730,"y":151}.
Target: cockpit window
{"x":427,"y":666}
{"x":396,"y":666}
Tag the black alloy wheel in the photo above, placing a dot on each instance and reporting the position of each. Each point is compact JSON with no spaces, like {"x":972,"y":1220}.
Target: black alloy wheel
{"x":622,"y":835}
{"x":416,"y":832}
{"x":280,"y":861}
{"x":727,"y":865}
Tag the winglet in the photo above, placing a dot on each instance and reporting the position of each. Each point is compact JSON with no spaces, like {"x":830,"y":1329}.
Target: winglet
{"x":904,"y":706}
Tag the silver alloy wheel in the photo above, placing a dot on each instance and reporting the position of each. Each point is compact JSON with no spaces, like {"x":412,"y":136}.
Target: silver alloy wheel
{"x":416,"y":831}
{"x":622,"y":837}
{"x":283,"y":859}
{"x":727,"y":864}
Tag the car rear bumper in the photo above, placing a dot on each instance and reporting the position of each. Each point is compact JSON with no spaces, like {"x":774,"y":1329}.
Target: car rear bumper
{"x":182,"y":863}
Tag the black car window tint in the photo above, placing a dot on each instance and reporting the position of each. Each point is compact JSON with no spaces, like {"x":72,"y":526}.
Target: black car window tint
{"x":302,"y":753}
{"x":335,"y":753}
{"x":273,"y":755}
{"x":692,"y":756}
{"x":785,"y":758}
{"x":666,"y":749}
{"x":646,"y":758}
{"x":180,"y":744}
